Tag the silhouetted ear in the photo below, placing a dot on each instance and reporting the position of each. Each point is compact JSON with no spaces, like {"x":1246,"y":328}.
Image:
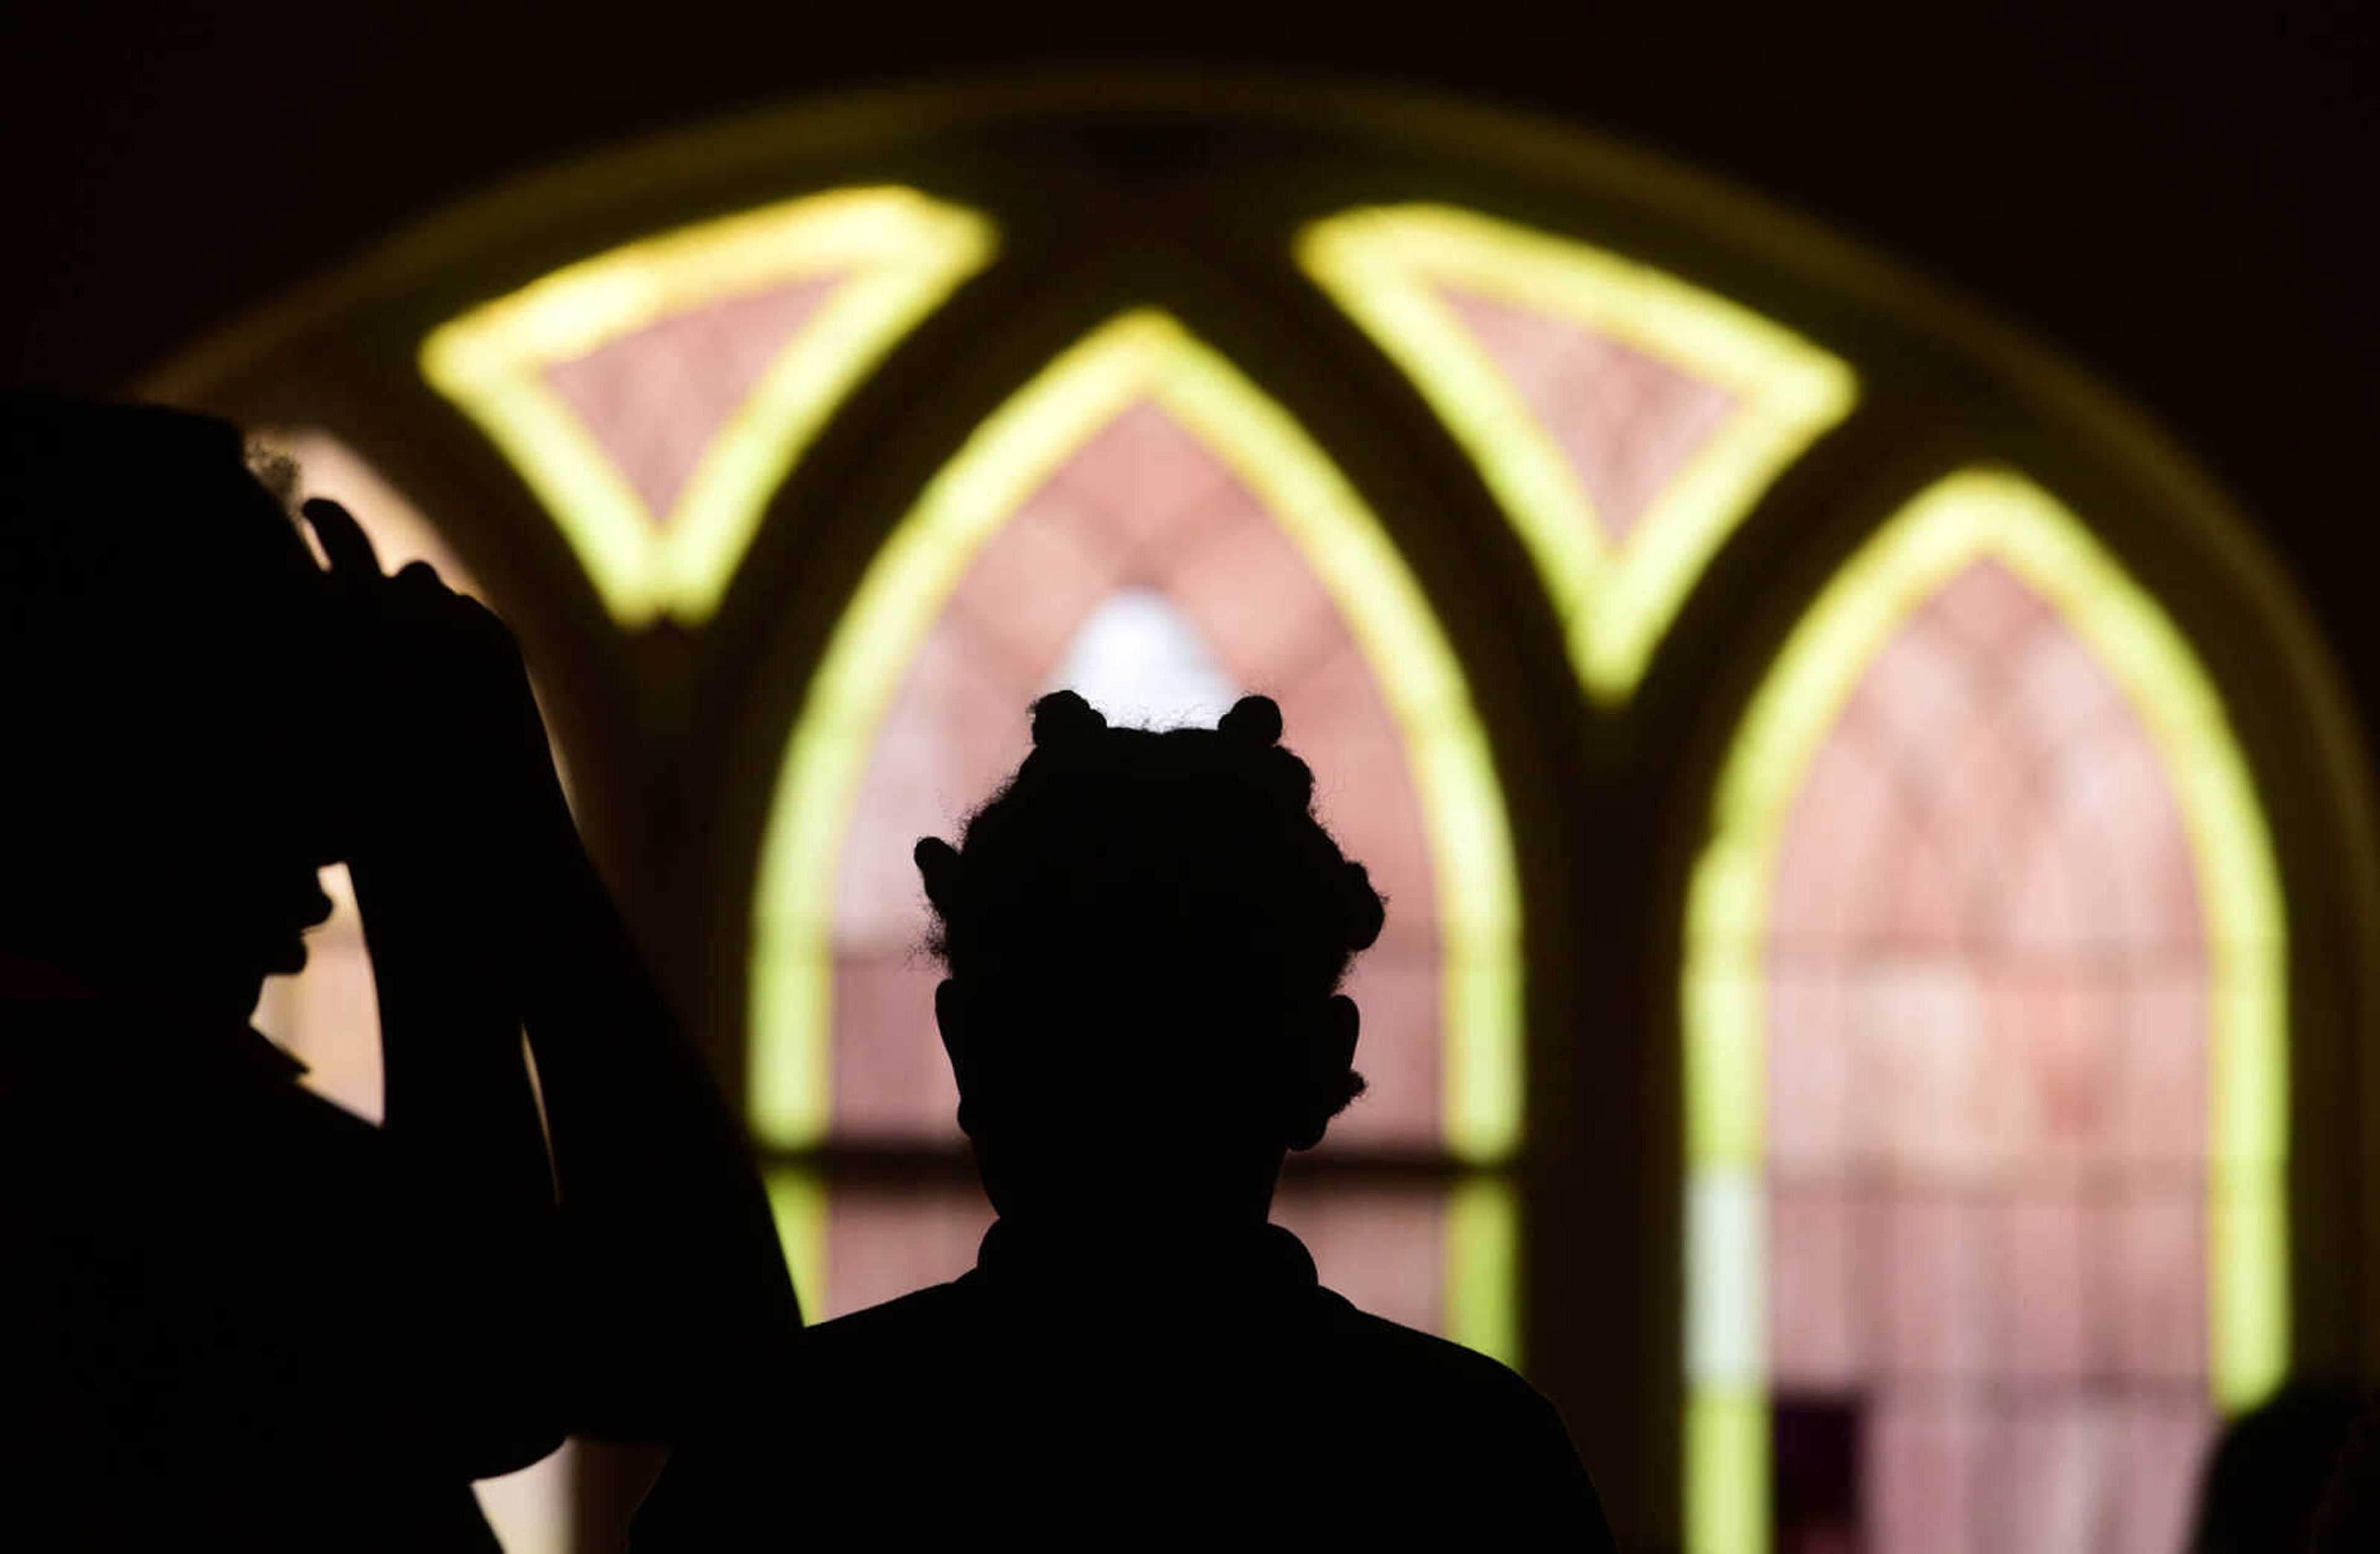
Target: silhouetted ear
{"x":938,"y":864}
{"x":1330,"y":1078}
{"x":951,"y":1019}
{"x":1366,"y":915}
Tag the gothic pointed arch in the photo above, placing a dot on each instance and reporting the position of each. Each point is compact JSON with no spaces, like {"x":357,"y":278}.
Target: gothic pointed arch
{"x":1986,"y":1055}
{"x":1140,"y":518}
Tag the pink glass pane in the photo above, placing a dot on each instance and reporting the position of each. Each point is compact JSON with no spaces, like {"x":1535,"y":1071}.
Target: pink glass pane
{"x":1383,"y":1248}
{"x":1988,"y":1034}
{"x":2165,"y":1441}
{"x":2151,"y":1242}
{"x":1142,"y":509}
{"x":884,"y":1242}
{"x":1808,"y":1079}
{"x":1815,"y":1332}
{"x":2054,"y":1468}
{"x":1923,"y":1474}
{"x":1396,"y":988}
{"x":654,"y":399}
{"x":889,"y":1074}
{"x":1142,"y":475}
{"x":1927,"y":1292}
{"x":1626,"y":422}
{"x":2040,"y":1286}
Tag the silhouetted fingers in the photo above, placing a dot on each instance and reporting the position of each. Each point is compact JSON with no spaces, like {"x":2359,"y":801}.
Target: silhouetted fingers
{"x":419,"y":579}
{"x":488,"y":626}
{"x":342,"y":539}
{"x":456,"y":617}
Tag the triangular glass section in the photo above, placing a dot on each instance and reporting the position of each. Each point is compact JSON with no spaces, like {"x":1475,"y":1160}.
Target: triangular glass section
{"x":1625,"y":421}
{"x":656,"y":395}
{"x":655,"y":398}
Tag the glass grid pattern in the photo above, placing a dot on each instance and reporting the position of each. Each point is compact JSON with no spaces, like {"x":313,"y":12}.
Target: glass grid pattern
{"x":1987,"y":1050}
{"x":1625,"y":422}
{"x":1141,"y":508}
{"x":1984,"y":1038}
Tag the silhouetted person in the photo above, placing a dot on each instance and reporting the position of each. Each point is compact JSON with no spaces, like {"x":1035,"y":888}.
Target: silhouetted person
{"x":231,"y":1313}
{"x":2265,"y":1477}
{"x":1144,"y":934}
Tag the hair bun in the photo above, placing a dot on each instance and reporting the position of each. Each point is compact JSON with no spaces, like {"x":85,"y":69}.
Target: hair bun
{"x":1064,"y":718}
{"x":1252,"y":719}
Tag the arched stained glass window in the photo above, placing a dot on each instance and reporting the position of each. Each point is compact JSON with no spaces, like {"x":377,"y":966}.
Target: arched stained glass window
{"x":1625,"y":421}
{"x":1140,"y":571}
{"x":328,"y":1016}
{"x":1985,"y":1012}
{"x":1980,"y":989}
{"x":655,"y":395}
{"x":1139,"y":524}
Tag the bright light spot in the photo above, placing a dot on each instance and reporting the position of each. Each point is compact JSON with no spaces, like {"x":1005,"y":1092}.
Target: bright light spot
{"x":1726,"y":1250}
{"x":1144,"y":663}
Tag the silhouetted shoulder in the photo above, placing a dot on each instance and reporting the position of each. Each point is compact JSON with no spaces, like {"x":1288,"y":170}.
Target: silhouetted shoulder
{"x":969,"y":1413}
{"x":894,"y":1322}
{"x":1487,"y":1381}
{"x":1453,"y":1411}
{"x":1437,"y":1367}
{"x":906,"y":1343}
{"x":1146,"y":934}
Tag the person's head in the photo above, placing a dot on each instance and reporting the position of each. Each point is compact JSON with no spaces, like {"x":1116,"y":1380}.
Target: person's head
{"x":162,"y":803}
{"x":1144,"y":934}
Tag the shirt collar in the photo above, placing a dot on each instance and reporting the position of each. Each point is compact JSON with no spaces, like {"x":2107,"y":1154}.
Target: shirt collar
{"x":1258,"y":1262}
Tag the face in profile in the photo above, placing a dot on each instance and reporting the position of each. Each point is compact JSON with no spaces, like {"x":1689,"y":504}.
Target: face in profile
{"x":238,"y":900}
{"x":241,"y":860}
{"x":179,"y":775}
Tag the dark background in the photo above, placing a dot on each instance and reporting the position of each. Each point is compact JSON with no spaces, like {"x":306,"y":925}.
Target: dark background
{"x":2177,"y":195}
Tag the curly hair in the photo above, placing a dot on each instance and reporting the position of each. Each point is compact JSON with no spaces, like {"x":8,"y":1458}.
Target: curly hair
{"x":1120,"y":862}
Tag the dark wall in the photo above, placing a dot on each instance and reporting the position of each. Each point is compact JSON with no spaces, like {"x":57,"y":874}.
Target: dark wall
{"x":2173,"y":197}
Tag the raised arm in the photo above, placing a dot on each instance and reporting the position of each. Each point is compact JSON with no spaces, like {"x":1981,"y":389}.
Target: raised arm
{"x":679,"y":1275}
{"x":458,"y":1261}
{"x":670,"y":1296}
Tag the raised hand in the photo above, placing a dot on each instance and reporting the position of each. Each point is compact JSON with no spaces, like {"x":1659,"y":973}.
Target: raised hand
{"x":447,"y":750}
{"x":679,"y":1306}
